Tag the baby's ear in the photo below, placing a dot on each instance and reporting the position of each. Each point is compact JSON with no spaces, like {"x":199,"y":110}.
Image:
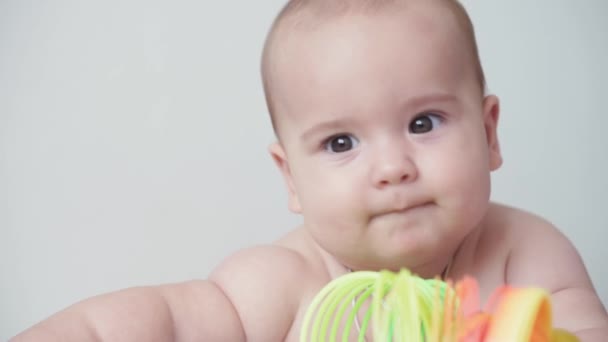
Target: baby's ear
{"x":280,"y":159}
{"x":491,"y":112}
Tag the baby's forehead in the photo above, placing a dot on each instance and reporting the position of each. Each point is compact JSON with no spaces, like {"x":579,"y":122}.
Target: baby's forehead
{"x":297,"y":29}
{"x":311,"y":15}
{"x":290,"y":43}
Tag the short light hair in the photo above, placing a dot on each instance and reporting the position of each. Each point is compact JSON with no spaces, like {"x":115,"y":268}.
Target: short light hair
{"x":308,"y":13}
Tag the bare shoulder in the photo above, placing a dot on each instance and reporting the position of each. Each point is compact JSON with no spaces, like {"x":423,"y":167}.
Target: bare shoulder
{"x":517,"y":223}
{"x":502,"y":235}
{"x":517,"y":231}
{"x":265,"y":285}
{"x":531,"y":241}
{"x":266,"y":265}
{"x":540,"y":255}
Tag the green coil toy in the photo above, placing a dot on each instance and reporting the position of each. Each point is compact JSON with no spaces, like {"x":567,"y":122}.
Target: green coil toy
{"x":404,"y":307}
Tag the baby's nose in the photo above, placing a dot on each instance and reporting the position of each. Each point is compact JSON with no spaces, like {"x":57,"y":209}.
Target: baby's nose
{"x":392,"y":169}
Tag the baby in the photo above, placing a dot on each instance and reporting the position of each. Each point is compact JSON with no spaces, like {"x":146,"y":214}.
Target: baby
{"x":386,"y":142}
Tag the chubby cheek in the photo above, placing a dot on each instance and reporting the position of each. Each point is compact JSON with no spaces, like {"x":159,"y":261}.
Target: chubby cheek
{"x":330,"y":199}
{"x":462,"y":182}
{"x":332,"y":216}
{"x":331,"y":202}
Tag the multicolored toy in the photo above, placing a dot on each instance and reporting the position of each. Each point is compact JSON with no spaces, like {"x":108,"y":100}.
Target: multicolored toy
{"x":404,"y":307}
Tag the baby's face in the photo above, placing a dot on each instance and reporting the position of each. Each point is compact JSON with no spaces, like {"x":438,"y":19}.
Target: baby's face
{"x":385,"y":134}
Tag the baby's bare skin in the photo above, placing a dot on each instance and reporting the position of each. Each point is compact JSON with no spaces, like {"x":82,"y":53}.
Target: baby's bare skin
{"x":272,"y":286}
{"x":490,"y":254}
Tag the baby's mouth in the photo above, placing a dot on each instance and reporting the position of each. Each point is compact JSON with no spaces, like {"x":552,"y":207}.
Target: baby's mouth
{"x":421,"y":205}
{"x":407,"y":209}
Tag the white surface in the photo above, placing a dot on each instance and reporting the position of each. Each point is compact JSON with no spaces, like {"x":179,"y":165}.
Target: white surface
{"x":133,"y":138}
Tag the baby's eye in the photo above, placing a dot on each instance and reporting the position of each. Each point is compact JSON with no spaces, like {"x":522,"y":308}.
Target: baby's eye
{"x":340,"y":143}
{"x":425,"y":123}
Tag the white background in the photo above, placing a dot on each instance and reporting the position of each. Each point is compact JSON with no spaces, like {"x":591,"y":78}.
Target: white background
{"x":133,"y":138}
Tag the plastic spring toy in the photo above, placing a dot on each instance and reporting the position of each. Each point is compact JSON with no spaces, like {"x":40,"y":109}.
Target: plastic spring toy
{"x":404,"y":307}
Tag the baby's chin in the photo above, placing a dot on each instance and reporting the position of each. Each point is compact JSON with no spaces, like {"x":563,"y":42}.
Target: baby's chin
{"x":391,"y":255}
{"x":408,"y":238}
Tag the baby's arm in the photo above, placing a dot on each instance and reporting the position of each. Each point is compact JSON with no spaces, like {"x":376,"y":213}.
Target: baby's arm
{"x":190,"y":311}
{"x":544,"y":257}
{"x":252,"y":296}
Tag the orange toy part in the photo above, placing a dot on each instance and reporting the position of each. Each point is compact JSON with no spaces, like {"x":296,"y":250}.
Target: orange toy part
{"x":512,"y":314}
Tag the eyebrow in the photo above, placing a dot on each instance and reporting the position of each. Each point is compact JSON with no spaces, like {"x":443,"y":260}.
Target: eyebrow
{"x":325,"y":126}
{"x":415,"y":102}
{"x":420,"y":101}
